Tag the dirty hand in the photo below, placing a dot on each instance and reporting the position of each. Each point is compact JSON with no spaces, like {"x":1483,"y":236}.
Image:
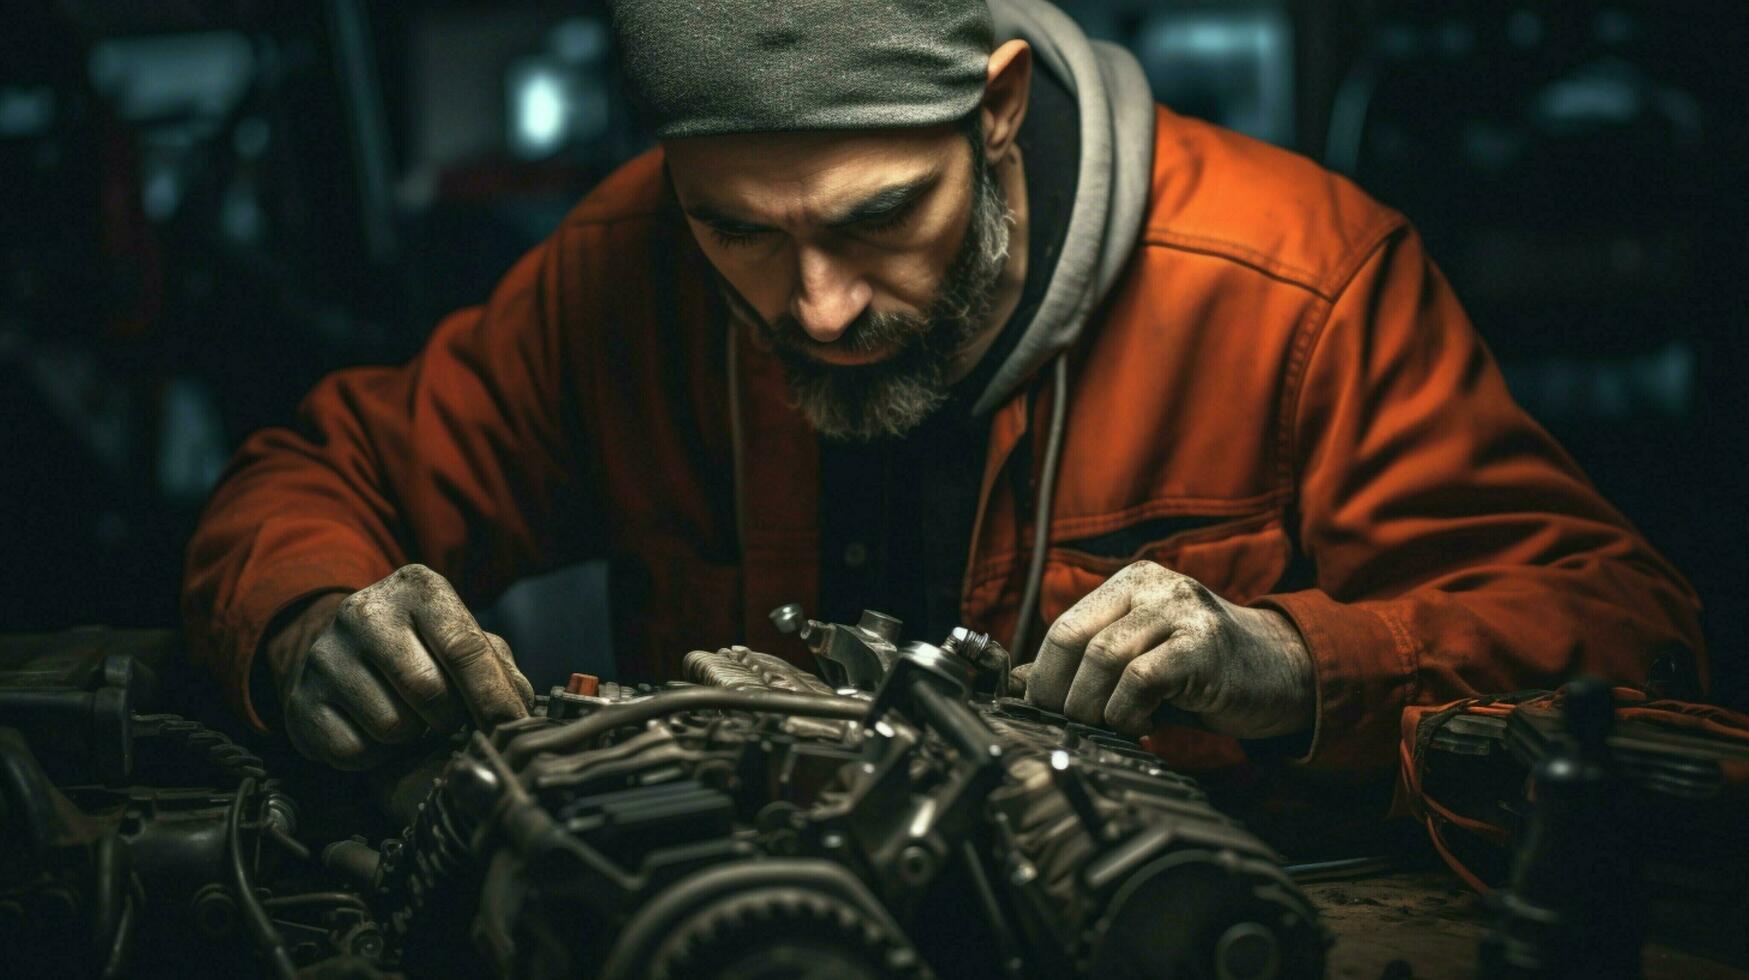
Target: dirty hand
{"x":1150,"y":636}
{"x":360,"y":674}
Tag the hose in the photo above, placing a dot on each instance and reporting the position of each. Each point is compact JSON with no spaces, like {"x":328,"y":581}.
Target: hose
{"x":261,"y":926}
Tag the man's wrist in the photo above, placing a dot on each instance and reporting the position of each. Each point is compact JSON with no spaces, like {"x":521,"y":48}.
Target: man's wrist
{"x":288,"y":635}
{"x":1292,"y":646}
{"x":1293,"y":672}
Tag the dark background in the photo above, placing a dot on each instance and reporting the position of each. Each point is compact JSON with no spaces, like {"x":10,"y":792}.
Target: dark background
{"x":208,"y":205}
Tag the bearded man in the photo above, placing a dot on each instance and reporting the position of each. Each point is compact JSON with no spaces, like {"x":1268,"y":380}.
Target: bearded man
{"x":925,"y":306}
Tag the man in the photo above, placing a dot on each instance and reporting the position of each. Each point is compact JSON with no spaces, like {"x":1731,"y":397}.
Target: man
{"x":938,"y":314}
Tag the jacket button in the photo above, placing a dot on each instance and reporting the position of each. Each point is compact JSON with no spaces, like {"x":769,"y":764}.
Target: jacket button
{"x":855,"y":554}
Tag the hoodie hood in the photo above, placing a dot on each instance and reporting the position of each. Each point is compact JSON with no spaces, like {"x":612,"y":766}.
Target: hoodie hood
{"x":1116,"y":109}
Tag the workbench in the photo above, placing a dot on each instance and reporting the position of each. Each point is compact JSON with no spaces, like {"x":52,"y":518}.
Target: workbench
{"x":1428,"y":924}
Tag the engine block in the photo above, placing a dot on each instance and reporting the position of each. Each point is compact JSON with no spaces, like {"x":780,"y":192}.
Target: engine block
{"x":758,"y":823}
{"x":897,"y":814}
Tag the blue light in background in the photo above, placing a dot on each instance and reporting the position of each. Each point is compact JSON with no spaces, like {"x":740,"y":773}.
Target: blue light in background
{"x":1659,"y":383}
{"x":1231,"y":67}
{"x":558,"y":98}
{"x":539,"y":103}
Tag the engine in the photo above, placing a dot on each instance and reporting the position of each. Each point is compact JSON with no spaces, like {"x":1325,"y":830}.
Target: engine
{"x":899,"y":816}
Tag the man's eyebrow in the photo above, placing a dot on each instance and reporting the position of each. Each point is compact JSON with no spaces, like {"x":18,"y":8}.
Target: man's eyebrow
{"x":885,"y":201}
{"x":711,"y":216}
{"x":879,"y":204}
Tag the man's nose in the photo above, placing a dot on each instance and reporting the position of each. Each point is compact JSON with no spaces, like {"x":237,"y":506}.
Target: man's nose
{"x":829,"y":296}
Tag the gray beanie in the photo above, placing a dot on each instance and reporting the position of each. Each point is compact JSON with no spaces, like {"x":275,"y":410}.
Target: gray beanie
{"x":708,"y":67}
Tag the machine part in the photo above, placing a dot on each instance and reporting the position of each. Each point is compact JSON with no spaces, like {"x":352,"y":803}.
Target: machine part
{"x":1161,"y":921}
{"x":754,"y":823}
{"x":788,"y":618}
{"x":698,"y":831}
{"x":849,"y":656}
{"x":770,"y":918}
{"x":103,"y":871}
{"x":82,"y":720}
{"x":738,"y":667}
{"x":1576,"y":904}
{"x":354,"y":861}
{"x":243,"y":886}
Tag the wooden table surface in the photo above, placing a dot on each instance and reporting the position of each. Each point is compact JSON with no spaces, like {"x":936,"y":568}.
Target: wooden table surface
{"x":1432,"y":923}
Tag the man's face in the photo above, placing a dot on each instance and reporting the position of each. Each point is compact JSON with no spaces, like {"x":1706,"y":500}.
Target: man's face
{"x":867,"y":260}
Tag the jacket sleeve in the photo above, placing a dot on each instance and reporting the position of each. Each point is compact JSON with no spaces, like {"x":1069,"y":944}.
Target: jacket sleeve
{"x":1458,"y":549}
{"x":466,"y":459}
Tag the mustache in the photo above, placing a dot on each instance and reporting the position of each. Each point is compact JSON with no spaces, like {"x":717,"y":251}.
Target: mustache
{"x":870,"y":332}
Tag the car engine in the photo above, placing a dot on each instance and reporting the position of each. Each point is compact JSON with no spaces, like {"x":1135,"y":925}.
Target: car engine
{"x":895,"y":815}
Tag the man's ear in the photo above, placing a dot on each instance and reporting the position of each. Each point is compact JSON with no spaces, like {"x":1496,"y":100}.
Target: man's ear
{"x":1005,"y":96}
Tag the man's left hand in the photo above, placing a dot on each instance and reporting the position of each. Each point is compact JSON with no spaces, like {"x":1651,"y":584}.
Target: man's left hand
{"x":1150,"y":636}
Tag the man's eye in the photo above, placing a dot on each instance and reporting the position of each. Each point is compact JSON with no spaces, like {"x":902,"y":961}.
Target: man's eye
{"x":733,"y":237}
{"x":889,"y":220}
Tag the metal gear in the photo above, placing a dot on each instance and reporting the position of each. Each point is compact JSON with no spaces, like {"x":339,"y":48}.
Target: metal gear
{"x":784,"y":934}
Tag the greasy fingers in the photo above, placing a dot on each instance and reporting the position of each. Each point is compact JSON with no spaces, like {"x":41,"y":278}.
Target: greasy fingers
{"x":1150,"y":636}
{"x":434,"y":652}
{"x":1150,"y":680}
{"x":1108,"y":654}
{"x":397,"y":659}
{"x":475,"y":668}
{"x":1059,"y":657}
{"x":375,"y":627}
{"x":326,"y":733}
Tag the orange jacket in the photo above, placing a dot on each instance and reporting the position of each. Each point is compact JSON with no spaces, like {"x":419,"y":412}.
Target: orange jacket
{"x":1281,"y":397}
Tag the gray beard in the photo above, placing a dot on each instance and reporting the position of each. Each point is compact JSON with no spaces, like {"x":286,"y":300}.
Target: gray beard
{"x":890,"y":398}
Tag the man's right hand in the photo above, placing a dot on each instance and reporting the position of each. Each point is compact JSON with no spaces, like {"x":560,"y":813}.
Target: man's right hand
{"x":388,"y":664}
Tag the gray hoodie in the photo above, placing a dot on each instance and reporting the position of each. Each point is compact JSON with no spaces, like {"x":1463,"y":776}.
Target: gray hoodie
{"x":1111,"y":192}
{"x":1116,"y":109}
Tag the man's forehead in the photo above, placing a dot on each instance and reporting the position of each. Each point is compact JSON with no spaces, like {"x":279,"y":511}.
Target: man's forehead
{"x":750,"y":175}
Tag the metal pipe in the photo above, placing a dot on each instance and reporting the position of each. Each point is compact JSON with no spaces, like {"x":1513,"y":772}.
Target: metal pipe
{"x":579,"y":733}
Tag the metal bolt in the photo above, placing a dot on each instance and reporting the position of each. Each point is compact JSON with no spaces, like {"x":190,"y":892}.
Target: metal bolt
{"x":215,"y":912}
{"x":787,"y":618}
{"x":916,"y":864}
{"x":367,"y":943}
{"x":279,"y":811}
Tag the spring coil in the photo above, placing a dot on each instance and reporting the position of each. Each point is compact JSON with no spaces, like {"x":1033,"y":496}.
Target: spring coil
{"x":420,"y":875}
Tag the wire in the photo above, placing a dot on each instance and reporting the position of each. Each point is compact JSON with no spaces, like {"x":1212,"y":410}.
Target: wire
{"x":260,"y":925}
{"x":316,"y":898}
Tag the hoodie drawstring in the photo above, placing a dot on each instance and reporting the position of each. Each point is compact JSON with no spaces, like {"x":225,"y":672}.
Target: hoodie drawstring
{"x":1041,"y":535}
{"x":1047,"y":490}
{"x":737,"y":442}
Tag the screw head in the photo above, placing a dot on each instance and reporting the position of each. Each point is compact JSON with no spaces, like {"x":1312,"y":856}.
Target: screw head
{"x":787,"y":618}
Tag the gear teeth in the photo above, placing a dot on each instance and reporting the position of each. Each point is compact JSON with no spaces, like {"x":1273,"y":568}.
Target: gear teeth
{"x":721,"y":934}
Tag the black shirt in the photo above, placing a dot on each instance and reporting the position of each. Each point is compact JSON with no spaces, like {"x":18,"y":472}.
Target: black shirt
{"x":897,"y":514}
